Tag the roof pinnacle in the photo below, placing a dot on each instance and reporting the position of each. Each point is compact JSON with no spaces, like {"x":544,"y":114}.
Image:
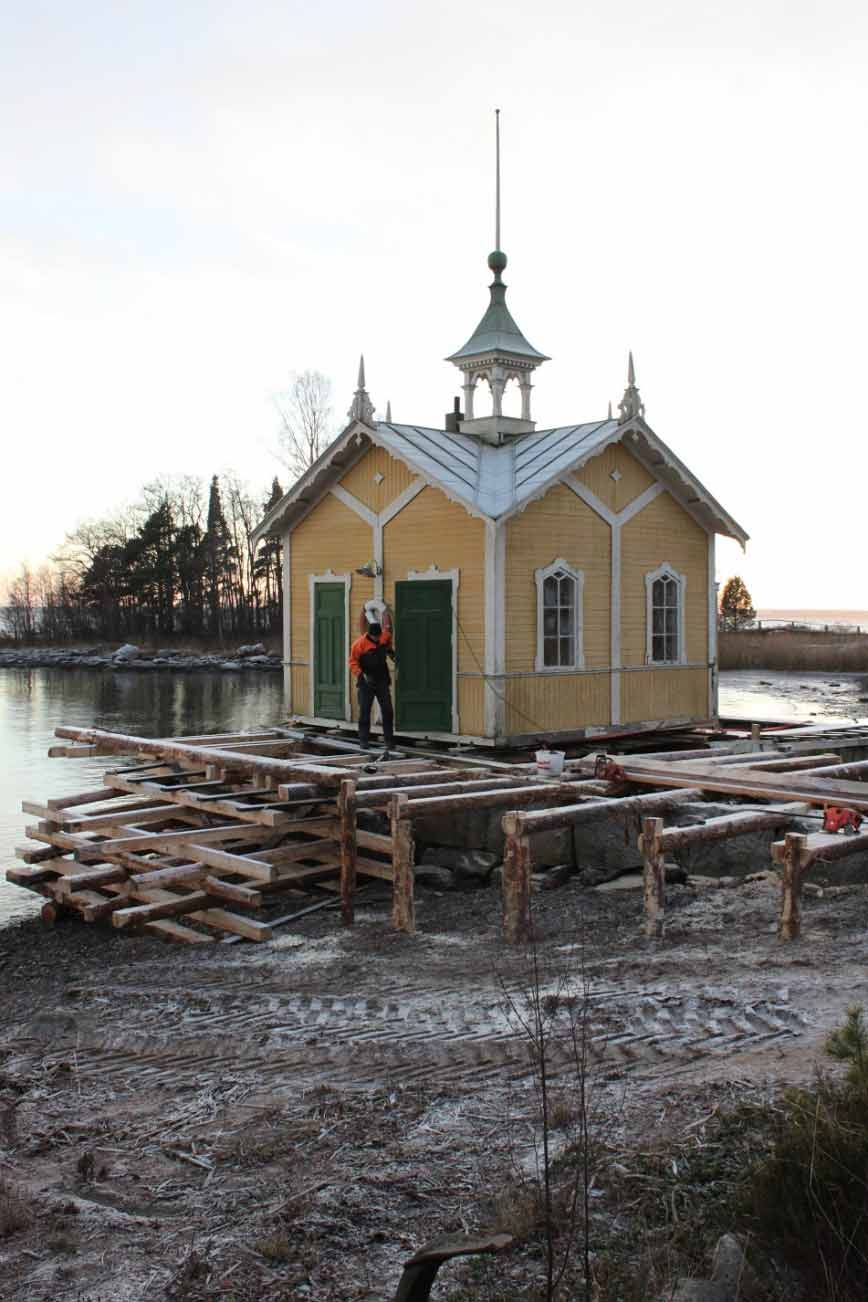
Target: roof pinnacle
{"x":361,"y":407}
{"x":631,"y":405}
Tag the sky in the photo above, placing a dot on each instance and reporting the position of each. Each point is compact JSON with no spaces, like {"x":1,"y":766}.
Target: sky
{"x":198,"y":200}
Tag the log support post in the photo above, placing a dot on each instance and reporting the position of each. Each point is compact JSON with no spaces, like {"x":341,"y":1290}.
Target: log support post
{"x":794,"y":864}
{"x":516,"y":884}
{"x":651,"y":847}
{"x":403,"y":898}
{"x":347,"y":815}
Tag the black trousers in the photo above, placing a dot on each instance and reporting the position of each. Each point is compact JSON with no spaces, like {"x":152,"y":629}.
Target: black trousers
{"x":369,"y":692}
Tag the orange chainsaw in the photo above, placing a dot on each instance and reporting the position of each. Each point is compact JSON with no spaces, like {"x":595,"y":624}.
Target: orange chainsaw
{"x":836,"y":819}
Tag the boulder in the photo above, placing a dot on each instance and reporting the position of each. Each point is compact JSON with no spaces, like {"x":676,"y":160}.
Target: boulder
{"x":471,"y":866}
{"x":126,"y":652}
{"x":255,"y":649}
{"x":435,"y":876}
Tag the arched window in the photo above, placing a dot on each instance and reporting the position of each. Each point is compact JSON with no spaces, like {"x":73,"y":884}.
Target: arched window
{"x":664,"y":617}
{"x":559,"y":617}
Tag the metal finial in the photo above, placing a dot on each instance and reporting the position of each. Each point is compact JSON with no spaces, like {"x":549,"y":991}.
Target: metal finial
{"x":497,"y":179}
{"x":361,"y":383}
{"x":389,"y":413}
{"x":631,"y":405}
{"x":631,"y":369}
{"x":609,"y":416}
{"x":362,"y":408}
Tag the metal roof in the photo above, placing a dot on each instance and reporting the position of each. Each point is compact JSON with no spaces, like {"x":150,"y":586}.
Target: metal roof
{"x":494,"y":481}
{"x":497,"y":332}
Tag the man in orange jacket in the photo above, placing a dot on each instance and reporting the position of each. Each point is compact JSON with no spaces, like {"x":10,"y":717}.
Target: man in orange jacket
{"x":368,"y":656}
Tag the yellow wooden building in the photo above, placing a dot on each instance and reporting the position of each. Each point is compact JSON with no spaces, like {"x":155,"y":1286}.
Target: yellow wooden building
{"x":550,"y":583}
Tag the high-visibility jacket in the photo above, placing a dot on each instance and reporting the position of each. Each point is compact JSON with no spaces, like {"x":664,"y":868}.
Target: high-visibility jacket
{"x":369,"y":657}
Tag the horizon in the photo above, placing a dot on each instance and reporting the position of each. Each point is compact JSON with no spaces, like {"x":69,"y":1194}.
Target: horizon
{"x":221,"y":201}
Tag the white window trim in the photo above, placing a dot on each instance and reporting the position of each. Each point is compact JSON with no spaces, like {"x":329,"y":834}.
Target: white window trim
{"x":578,"y":649}
{"x":664,"y":570}
{"x":312,"y":581}
{"x":446,"y":576}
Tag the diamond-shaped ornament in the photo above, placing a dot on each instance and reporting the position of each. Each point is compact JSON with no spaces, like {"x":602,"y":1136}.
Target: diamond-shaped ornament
{"x":615,"y":474}
{"x":378,"y":478}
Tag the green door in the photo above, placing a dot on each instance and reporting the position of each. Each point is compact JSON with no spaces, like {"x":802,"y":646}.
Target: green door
{"x":423,"y":638}
{"x":329,"y":650}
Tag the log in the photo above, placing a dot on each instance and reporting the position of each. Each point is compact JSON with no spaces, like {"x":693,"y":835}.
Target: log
{"x":403,"y":898}
{"x":421,"y":1270}
{"x":347,"y":814}
{"x":138,"y":914}
{"x":509,"y":797}
{"x":856,"y":770}
{"x":520,"y":823}
{"x":800,"y":786}
{"x":275,"y":770}
{"x":515,"y":885}
{"x":380,"y":797}
{"x":654,"y":875}
{"x":791,"y":887}
{"x":727,"y":826}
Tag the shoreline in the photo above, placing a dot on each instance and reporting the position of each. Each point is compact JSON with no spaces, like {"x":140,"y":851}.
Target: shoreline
{"x":254,"y":657}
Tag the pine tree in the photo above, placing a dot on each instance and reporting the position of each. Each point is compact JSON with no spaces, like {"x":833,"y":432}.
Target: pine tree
{"x":736,"y":606}
{"x":217,"y":557}
{"x":267,"y":567}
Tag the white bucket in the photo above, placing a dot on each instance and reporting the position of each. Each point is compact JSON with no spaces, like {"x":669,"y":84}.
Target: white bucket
{"x":550,"y":763}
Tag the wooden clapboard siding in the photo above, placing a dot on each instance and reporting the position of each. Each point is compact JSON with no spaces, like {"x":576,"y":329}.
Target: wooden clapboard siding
{"x":556,"y":702}
{"x":471,"y":706}
{"x":429,"y":531}
{"x":331,"y":537}
{"x":361,"y":480}
{"x":559,"y":525}
{"x":671,"y":693}
{"x":663,"y":531}
{"x":597,"y":473}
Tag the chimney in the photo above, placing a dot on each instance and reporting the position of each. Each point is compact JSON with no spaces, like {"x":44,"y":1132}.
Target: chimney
{"x":453,"y":417}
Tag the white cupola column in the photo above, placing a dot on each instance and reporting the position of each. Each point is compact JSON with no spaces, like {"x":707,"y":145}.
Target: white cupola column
{"x":525,"y":385}
{"x":468,"y":386}
{"x":498,"y":384}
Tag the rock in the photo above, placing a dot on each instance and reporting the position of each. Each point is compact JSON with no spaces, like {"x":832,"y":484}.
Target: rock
{"x":474,"y":866}
{"x":255,"y":649}
{"x":230,"y":664}
{"x":553,"y":879}
{"x":258,"y":660}
{"x":732,"y":1279}
{"x":551,"y":849}
{"x":608,"y":846}
{"x":126,"y":652}
{"x":435,"y":876}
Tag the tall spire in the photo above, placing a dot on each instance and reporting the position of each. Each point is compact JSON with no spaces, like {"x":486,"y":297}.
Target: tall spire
{"x":631,"y":404}
{"x":497,"y":351}
{"x":389,"y":412}
{"x":362,"y":408}
{"x":497,"y":179}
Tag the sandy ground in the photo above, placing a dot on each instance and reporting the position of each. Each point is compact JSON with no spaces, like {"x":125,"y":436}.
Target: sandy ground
{"x":294,"y":1119}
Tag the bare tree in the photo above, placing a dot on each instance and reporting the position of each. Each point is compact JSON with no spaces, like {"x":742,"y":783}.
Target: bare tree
{"x":305,"y":413}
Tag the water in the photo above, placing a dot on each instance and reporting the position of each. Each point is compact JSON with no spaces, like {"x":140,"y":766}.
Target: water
{"x":34,"y":702}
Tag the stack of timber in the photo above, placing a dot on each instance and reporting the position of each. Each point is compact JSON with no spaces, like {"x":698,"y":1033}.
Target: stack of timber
{"x":184,"y":828}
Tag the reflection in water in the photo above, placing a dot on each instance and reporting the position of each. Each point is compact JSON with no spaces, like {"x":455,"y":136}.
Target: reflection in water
{"x":33,"y":702}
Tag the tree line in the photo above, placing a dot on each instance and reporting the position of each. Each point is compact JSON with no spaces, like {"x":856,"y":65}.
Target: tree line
{"x":182,"y":562}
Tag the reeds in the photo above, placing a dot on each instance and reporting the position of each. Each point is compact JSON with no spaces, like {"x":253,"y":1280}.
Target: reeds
{"x":797,"y":649}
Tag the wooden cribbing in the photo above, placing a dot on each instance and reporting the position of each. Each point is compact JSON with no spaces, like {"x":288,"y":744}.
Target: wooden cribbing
{"x":728,"y":826}
{"x":138,"y":914}
{"x":507,"y":797}
{"x":403,"y":895}
{"x":275,"y":770}
{"x":795,"y":786}
{"x":654,"y":876}
{"x":347,"y":815}
{"x":523,"y":822}
{"x":791,"y":886}
{"x":516,"y":890}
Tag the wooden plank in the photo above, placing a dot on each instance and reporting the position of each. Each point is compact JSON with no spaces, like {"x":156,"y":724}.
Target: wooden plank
{"x":176,"y":931}
{"x":166,"y":842}
{"x":795,"y":786}
{"x":348,"y":847}
{"x":137,"y":915}
{"x":80,"y":798}
{"x":374,"y":841}
{"x":403,"y":895}
{"x":654,"y":875}
{"x":515,"y":887}
{"x":524,"y":822}
{"x":509,"y":797}
{"x":273,"y":770}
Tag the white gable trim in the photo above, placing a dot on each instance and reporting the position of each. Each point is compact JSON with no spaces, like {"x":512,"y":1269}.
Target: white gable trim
{"x":365,"y":512}
{"x":579,"y":631}
{"x":403,"y":499}
{"x":286,"y":572}
{"x":664,"y":569}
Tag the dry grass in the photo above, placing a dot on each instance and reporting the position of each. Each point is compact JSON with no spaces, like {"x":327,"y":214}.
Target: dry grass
{"x":15,"y":1212}
{"x":793,"y":649}
{"x":518,"y":1209}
